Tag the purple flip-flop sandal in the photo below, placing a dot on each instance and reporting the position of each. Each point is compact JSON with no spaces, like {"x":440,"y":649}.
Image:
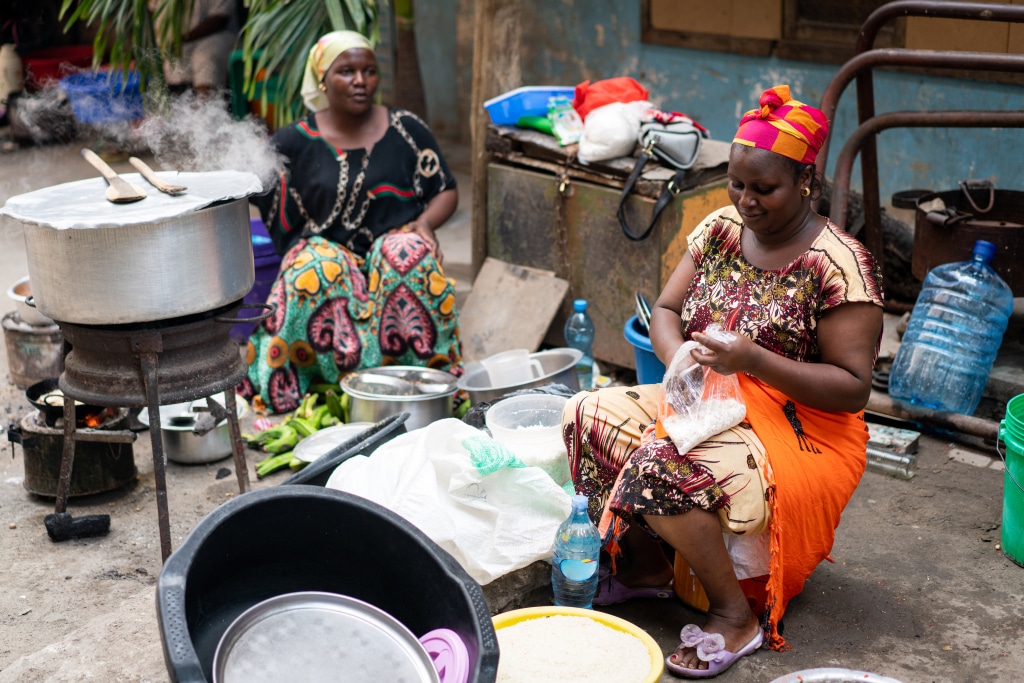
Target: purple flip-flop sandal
{"x":711,"y":649}
{"x":611,"y":591}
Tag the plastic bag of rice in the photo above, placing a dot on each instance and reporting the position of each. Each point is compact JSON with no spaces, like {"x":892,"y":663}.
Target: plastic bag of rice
{"x":564,"y":649}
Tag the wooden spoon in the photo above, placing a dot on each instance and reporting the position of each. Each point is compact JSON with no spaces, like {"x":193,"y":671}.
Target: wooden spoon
{"x":120,"y":190}
{"x":155,"y":180}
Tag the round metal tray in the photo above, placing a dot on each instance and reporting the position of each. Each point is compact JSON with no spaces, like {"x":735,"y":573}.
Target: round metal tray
{"x":314,"y":636}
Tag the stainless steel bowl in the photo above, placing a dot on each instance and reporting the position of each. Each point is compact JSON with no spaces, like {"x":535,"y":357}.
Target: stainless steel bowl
{"x":558,"y":365}
{"x":377,"y":393}
{"x":181,"y":444}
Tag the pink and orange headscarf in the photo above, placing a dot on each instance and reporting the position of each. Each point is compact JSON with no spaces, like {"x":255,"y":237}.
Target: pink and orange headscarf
{"x":784,"y":126}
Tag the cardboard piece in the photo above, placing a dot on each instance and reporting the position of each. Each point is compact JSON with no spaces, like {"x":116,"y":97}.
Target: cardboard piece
{"x":510,"y":307}
{"x":736,"y":18}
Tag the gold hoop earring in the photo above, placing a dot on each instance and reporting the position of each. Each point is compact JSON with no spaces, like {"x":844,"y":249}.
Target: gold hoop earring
{"x":805,"y":192}
{"x":323,"y":87}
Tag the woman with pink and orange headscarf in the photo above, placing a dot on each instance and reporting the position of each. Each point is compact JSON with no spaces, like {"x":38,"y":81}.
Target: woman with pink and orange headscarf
{"x":754,"y":509}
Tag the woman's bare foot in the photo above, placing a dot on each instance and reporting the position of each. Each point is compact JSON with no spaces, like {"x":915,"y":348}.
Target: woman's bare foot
{"x":737,"y":631}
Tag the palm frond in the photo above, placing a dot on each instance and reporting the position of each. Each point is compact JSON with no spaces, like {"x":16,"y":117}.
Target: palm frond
{"x":277,"y":38}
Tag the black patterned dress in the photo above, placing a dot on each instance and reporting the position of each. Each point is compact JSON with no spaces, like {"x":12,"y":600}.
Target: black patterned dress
{"x":357,"y":289}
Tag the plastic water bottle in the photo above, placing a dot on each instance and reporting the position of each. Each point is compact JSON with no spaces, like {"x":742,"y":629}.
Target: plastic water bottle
{"x":579,"y":334}
{"x":577,"y":555}
{"x":953,"y":335}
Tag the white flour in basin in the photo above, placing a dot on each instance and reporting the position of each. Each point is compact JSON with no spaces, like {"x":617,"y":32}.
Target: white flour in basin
{"x":564,"y":649}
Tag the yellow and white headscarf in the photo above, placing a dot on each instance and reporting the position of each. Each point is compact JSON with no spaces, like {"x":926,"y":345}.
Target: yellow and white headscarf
{"x":321,"y":56}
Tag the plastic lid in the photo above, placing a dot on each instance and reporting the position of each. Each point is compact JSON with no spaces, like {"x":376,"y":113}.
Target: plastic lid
{"x":579,"y":305}
{"x":579,"y":501}
{"x":449,"y":653}
{"x":984,"y":250}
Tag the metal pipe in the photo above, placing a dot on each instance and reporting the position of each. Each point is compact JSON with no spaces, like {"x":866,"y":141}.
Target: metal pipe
{"x":67,"y":460}
{"x":865,"y":86}
{"x":237,"y":447}
{"x":906,"y":58}
{"x":942,"y":9}
{"x":905,"y":119}
{"x":968,"y":424}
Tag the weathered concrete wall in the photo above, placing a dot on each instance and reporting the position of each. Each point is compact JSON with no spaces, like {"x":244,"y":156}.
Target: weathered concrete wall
{"x":574,"y":40}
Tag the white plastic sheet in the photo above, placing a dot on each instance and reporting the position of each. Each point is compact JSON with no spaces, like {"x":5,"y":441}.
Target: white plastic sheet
{"x":492,"y":524}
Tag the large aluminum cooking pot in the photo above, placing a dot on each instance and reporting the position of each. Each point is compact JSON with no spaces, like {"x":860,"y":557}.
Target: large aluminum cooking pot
{"x":96,"y":263}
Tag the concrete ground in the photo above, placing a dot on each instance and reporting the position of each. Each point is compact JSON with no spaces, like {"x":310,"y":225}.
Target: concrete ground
{"x":919,"y":591}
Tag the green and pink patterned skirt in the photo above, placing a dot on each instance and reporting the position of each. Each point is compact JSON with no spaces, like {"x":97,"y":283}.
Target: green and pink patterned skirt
{"x":337,"y":312}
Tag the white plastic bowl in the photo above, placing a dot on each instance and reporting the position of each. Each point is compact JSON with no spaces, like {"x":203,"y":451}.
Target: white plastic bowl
{"x":531,"y":426}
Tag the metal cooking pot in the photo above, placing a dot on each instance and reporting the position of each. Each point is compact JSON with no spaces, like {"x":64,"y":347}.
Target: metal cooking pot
{"x":96,"y":263}
{"x":20,"y":292}
{"x":182,"y":444}
{"x":558,"y":366}
{"x":376,"y":393}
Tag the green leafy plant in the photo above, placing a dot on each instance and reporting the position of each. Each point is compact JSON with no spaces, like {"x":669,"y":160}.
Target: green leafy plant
{"x":275,"y":39}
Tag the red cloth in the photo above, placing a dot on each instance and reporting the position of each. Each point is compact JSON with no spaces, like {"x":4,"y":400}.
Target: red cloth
{"x":590,"y":96}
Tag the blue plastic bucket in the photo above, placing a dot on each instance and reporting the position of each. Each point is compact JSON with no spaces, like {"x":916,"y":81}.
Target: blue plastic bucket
{"x":649,"y":370}
{"x":103,"y":96}
{"x":267,"y":263}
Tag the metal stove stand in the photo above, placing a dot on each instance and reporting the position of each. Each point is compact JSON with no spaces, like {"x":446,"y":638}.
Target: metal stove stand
{"x":145,"y":365}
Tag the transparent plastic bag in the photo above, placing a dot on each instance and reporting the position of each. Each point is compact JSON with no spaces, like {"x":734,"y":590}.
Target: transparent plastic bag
{"x":697,"y":402}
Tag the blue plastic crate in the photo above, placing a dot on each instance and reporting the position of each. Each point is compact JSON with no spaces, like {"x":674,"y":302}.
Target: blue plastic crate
{"x":103,"y":96}
{"x":530,"y":100}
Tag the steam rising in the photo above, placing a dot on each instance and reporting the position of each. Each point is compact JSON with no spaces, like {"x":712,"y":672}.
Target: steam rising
{"x":184,"y":133}
{"x":191,"y":134}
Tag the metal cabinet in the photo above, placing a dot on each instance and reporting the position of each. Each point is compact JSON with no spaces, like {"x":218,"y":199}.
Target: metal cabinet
{"x":554,"y":221}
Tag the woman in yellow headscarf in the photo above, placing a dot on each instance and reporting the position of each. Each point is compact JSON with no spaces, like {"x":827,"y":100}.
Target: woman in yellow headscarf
{"x":353,"y":214}
{"x":753,"y":509}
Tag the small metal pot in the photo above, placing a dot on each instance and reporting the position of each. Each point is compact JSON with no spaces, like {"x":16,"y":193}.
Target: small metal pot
{"x":20,"y":292}
{"x":558,"y":366}
{"x":181,"y":444}
{"x":377,"y":393}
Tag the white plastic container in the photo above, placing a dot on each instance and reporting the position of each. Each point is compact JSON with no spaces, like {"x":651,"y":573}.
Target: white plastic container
{"x":531,"y":426}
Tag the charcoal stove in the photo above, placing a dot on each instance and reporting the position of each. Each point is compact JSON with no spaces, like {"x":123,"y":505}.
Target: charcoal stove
{"x":103,"y":452}
{"x":149,"y":364}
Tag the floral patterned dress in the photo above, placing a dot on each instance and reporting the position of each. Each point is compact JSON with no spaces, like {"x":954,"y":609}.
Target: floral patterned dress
{"x":784,"y":459}
{"x":356,"y":289}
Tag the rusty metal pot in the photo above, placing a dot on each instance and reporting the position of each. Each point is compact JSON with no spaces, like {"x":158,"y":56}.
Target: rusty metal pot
{"x":96,"y":263}
{"x":975,"y":212}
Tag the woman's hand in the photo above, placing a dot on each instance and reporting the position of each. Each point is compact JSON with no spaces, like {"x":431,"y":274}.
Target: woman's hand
{"x":421,"y":226}
{"x":740,"y":354}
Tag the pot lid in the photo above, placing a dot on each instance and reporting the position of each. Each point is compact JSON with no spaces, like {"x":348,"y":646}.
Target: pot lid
{"x":400,"y":380}
{"x":83,"y":203}
{"x":321,"y":442}
{"x":316,"y":636}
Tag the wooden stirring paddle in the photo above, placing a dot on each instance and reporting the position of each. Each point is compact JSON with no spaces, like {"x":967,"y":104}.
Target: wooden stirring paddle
{"x":155,"y":180}
{"x":120,"y":191}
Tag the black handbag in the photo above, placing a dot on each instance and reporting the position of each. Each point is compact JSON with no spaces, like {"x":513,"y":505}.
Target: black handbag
{"x":676,"y":144}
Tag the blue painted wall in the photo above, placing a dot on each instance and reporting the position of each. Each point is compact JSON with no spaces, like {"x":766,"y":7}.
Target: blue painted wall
{"x":568,"y":41}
